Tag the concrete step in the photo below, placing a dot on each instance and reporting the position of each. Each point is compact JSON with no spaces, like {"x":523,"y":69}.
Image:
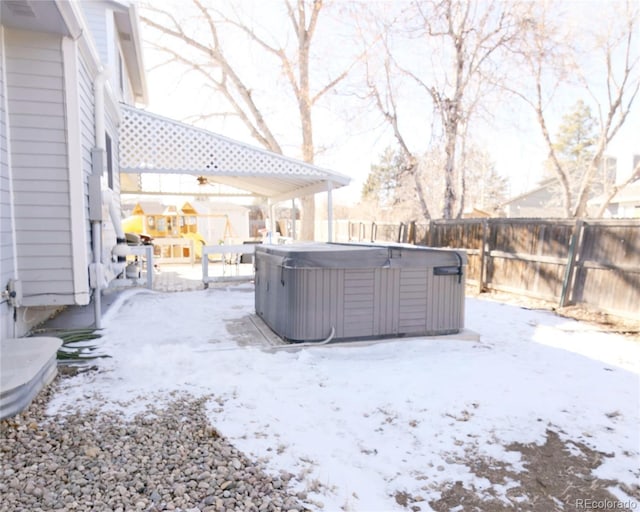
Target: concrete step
{"x":27,"y":366}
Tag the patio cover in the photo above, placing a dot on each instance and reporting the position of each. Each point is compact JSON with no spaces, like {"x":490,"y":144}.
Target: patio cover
{"x":153,"y":144}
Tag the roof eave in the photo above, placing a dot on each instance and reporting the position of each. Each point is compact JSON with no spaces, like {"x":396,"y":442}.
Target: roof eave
{"x":127,"y":22}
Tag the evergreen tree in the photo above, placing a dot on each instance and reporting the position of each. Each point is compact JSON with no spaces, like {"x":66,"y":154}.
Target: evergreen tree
{"x":576,"y":139}
{"x":384,"y":179}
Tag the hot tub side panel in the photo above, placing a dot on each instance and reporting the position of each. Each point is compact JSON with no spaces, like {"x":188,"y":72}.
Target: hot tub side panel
{"x":316,"y":296}
{"x":386,"y":303}
{"x":447,"y":304}
{"x":430,"y":304}
{"x":364,"y":303}
{"x":269,"y":298}
{"x":310,"y":304}
{"x":413,"y":314}
{"x":343,"y":303}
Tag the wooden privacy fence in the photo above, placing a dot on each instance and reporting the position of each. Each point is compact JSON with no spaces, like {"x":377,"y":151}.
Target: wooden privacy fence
{"x":591,"y":262}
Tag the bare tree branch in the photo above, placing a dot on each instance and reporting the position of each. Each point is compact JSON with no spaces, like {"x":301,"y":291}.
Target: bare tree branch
{"x":617,"y":109}
{"x":252,"y":118}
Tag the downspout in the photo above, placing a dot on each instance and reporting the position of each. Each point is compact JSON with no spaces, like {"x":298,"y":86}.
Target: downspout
{"x":96,"y":218}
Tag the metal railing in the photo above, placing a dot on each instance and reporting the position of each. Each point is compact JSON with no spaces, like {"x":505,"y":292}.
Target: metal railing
{"x":147,"y":252}
{"x":174,"y":250}
{"x":230,"y":255}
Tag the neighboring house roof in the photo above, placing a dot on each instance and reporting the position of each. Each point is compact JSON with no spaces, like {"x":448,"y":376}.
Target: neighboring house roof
{"x":543,"y":201}
{"x":153,"y":144}
{"x":544,"y":186}
{"x":629,"y":194}
{"x":475,"y":213}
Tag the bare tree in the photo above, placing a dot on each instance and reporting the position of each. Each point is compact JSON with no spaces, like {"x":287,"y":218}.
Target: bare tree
{"x":446,"y":48}
{"x":467,"y":35}
{"x":550,"y":57}
{"x":201,"y":47}
{"x":621,"y":64}
{"x":385,"y":101}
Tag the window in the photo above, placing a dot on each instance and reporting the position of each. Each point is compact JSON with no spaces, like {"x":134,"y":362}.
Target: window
{"x":108,"y":150}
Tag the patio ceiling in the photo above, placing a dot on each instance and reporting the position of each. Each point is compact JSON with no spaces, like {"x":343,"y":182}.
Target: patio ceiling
{"x":157,"y":145}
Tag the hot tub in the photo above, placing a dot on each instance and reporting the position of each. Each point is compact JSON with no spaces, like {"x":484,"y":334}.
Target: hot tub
{"x":317,"y":291}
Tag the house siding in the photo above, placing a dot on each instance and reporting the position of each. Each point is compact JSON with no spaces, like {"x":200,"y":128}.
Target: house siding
{"x":6,"y":231}
{"x":95,"y":14}
{"x":38,"y":142}
{"x":100,"y":18}
{"x":88,"y":140}
{"x":108,"y":230}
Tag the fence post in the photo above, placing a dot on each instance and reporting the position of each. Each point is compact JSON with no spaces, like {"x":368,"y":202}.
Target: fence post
{"x":374,"y":231}
{"x":411,"y":236}
{"x":483,"y":251}
{"x":401,"y":232}
{"x":429,"y":237}
{"x":574,"y":250}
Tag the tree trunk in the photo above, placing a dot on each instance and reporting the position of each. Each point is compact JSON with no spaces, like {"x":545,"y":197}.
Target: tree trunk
{"x":307,"y":231}
{"x":308,"y":202}
{"x":449,"y":171}
{"x":587,"y":180}
{"x":421,"y":194}
{"x":304,"y":107}
{"x":557,"y":167}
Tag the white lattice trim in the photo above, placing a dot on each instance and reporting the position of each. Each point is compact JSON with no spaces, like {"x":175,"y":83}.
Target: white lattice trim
{"x":150,"y":143}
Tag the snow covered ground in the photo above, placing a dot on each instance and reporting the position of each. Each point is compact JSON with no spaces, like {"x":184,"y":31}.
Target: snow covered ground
{"x":357,"y":424}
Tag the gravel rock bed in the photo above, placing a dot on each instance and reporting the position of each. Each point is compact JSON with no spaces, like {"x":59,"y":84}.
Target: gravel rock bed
{"x":168,"y":458}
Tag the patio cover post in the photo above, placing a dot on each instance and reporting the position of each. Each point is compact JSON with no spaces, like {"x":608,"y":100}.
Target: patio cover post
{"x":293,"y":218}
{"x":272,"y":220}
{"x":330,"y":210}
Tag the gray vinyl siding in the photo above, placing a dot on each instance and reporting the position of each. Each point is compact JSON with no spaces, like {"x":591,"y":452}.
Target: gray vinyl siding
{"x":6,"y":232}
{"x":88,"y":140}
{"x":35,"y":86}
{"x":95,"y":15}
{"x":99,"y":17}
